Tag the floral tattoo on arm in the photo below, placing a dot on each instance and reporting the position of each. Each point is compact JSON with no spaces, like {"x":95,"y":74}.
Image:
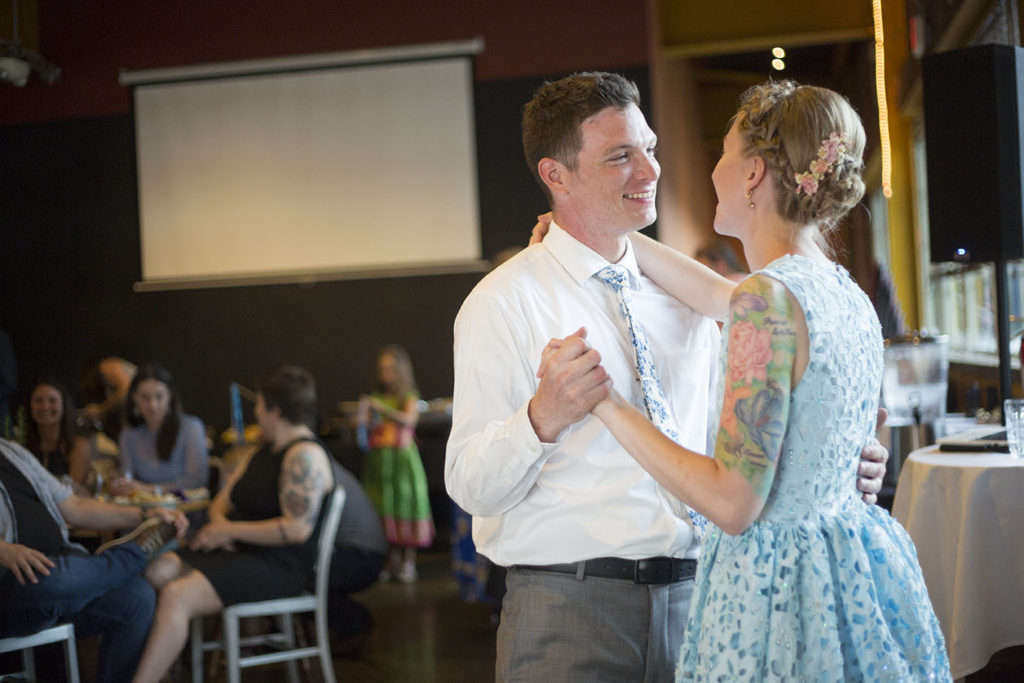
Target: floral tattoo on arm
{"x":303,"y":486}
{"x":755,"y":410}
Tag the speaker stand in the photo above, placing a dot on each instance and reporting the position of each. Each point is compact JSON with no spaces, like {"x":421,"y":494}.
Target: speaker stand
{"x":1003,"y":330}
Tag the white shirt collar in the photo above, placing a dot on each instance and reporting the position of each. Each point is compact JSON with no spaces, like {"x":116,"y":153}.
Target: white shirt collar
{"x":582,"y":262}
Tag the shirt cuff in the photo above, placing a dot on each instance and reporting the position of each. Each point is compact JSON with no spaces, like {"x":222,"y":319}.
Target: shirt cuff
{"x":525,"y":440}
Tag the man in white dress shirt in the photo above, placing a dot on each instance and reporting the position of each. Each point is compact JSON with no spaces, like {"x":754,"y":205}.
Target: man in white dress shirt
{"x":601,"y":560}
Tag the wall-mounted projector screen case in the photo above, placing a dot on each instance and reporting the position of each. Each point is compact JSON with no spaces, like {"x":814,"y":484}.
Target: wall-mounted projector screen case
{"x":351,"y":170}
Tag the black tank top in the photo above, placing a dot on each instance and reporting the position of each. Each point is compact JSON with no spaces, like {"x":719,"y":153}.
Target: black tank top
{"x":255,"y":497}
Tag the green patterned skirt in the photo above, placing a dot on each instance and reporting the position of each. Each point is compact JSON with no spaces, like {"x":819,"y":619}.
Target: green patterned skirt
{"x":397,"y":484}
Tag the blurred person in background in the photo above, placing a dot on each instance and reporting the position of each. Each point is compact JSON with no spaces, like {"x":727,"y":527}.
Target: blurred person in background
{"x":53,"y":435}
{"x":393,"y":474}
{"x":104,"y":386}
{"x":161,"y":447}
{"x":46,"y":579}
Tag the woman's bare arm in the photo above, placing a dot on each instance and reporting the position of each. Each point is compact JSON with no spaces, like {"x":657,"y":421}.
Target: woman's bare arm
{"x":80,"y":460}
{"x":685,"y":278}
{"x":731,"y":488}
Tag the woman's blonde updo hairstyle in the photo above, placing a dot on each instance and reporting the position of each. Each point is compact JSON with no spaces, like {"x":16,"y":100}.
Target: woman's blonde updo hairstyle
{"x":785,"y":123}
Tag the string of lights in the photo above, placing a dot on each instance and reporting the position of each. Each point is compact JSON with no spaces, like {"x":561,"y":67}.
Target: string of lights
{"x":883,"y":107}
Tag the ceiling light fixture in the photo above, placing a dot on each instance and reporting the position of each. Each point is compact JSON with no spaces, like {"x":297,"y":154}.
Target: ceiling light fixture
{"x":17,"y":61}
{"x":778,"y":64}
{"x":778,"y":52}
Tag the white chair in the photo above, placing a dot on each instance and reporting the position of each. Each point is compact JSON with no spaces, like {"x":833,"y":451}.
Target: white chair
{"x":283,"y":609}
{"x":54,"y":634}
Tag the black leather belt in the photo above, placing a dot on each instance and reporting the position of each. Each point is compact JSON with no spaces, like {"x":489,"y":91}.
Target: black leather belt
{"x":651,"y":571}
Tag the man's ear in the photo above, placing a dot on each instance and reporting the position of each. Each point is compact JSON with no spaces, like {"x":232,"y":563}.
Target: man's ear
{"x":554,"y":175}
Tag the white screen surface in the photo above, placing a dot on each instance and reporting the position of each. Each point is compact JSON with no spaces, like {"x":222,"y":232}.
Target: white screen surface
{"x":354,"y":168}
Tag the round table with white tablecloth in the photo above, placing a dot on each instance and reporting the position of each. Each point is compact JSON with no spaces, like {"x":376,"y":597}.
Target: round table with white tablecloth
{"x":965,"y":513}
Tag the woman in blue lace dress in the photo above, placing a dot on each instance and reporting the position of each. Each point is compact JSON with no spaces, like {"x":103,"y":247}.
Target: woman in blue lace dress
{"x":797,"y":579}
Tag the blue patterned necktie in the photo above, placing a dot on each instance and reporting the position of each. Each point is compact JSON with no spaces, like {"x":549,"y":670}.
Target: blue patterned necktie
{"x":654,"y":397}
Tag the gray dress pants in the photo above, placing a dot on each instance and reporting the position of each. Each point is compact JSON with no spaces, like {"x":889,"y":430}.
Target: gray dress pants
{"x":555,"y":627}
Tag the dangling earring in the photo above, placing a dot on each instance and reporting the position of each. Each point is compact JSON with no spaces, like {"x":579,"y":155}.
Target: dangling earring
{"x":750,"y":203}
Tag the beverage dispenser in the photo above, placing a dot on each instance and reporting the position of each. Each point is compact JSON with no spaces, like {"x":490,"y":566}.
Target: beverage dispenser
{"x":914,"y":386}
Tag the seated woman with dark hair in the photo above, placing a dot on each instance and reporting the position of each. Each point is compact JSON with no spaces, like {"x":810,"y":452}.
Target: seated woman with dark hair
{"x":261,"y":540}
{"x":161,"y":446}
{"x":53,"y":436}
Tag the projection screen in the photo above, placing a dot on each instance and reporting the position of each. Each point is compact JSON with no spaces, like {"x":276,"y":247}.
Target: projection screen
{"x":322,"y":167}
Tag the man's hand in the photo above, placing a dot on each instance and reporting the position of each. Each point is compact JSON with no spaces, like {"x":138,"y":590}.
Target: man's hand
{"x":24,"y":562}
{"x":871,"y":468}
{"x":171,"y":516}
{"x":572,"y":382}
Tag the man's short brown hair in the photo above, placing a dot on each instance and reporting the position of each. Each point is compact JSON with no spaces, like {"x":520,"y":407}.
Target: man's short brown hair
{"x":552,"y":119}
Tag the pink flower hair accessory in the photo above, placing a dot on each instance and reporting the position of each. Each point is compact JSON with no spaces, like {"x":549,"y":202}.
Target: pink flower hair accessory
{"x":831,"y":149}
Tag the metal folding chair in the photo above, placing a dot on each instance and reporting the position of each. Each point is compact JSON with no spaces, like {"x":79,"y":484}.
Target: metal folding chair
{"x":282,"y":609}
{"x":54,"y":634}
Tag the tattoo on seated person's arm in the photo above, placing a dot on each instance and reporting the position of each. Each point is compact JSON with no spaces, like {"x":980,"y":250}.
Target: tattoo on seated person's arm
{"x":762,"y":349}
{"x":304,"y":484}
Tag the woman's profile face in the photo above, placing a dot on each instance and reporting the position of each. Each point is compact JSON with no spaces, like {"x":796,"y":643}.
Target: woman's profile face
{"x":728,"y":178}
{"x":152,"y":399}
{"x":47,"y":405}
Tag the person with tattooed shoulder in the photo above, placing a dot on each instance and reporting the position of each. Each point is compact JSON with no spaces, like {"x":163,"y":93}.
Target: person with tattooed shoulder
{"x":261,"y":540}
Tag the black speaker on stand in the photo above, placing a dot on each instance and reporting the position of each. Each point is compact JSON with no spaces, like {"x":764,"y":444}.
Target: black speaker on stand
{"x":973,"y":108}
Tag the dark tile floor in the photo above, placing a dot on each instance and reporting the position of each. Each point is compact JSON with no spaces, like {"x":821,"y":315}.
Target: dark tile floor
{"x":1005,"y":666}
{"x":424,"y":632}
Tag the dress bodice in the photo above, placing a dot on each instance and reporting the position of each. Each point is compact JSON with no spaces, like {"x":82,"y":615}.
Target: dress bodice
{"x":833,"y":408}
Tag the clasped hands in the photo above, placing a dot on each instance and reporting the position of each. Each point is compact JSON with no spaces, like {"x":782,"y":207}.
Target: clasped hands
{"x":213,"y":535}
{"x":572,"y":384}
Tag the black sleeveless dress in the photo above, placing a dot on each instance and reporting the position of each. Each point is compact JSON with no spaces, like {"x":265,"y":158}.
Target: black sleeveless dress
{"x":257,"y":572}
{"x":55,"y":463}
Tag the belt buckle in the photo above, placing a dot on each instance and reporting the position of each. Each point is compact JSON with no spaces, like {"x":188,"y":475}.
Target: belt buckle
{"x":658,"y":569}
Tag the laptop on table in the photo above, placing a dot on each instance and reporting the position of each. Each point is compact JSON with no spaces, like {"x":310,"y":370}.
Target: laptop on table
{"x":982,"y":439}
